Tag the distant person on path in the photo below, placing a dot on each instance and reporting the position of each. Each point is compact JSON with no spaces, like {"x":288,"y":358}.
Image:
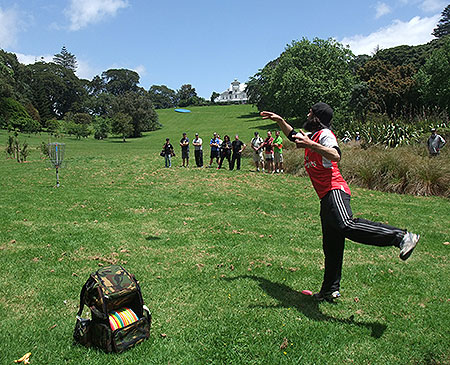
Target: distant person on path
{"x":184,"y":143}
{"x":258,"y":156}
{"x":435,"y":143}
{"x":268,"y":152}
{"x":198,"y":150}
{"x":357,"y":137}
{"x":321,"y":156}
{"x":278,"y":152}
{"x":214,"y":144}
{"x":225,"y":151}
{"x":237,"y":147}
{"x":168,"y":153}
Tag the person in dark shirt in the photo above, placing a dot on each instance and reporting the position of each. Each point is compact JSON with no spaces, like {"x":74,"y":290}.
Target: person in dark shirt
{"x":168,"y":153}
{"x":225,"y":151}
{"x":237,"y":147}
{"x":184,"y":143}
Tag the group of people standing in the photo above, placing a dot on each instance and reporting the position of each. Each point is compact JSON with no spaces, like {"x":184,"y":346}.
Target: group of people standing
{"x":267,"y":154}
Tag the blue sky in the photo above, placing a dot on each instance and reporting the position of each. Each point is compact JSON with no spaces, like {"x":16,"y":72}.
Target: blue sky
{"x":204,"y":43}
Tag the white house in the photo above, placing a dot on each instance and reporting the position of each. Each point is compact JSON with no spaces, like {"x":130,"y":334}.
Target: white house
{"x":234,"y":94}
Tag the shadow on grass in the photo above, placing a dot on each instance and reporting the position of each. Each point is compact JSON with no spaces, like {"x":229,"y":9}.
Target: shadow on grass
{"x":250,"y":115}
{"x":289,"y":298}
{"x":267,"y":127}
{"x":152,"y":238}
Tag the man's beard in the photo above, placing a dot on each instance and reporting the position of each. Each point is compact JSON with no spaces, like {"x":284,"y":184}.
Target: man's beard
{"x":311,"y":125}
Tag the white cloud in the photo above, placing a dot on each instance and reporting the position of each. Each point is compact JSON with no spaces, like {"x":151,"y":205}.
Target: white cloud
{"x":416,"y":31}
{"x":27,"y":59}
{"x":382,"y":9}
{"x":84,"y":12}
{"x":9,"y":27}
{"x":432,"y":6}
{"x":140,"y":70}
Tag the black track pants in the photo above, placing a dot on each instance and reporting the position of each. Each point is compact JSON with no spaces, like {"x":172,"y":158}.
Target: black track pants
{"x":338,"y":224}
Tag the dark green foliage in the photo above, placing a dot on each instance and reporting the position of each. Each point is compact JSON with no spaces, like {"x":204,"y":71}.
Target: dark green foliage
{"x":139,"y":107}
{"x":214,"y":95}
{"x":162,"y":97}
{"x":359,"y":101}
{"x":305,"y":73}
{"x":55,"y":89}
{"x":102,"y":127}
{"x":120,"y":81}
{"x":187,"y":95}
{"x":66,"y":59}
{"x":13,"y":116}
{"x":443,"y":27}
{"x":433,"y":78}
{"x":391,"y":88}
{"x":77,"y":130}
{"x":122,"y":125}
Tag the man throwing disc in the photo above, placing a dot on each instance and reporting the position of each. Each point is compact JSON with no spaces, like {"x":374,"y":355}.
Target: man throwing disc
{"x":321,"y":156}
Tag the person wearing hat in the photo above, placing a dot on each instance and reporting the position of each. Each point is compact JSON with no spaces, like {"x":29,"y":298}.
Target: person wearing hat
{"x":168,"y":153}
{"x":321,"y":156}
{"x":198,"y":150}
{"x":184,"y":143}
{"x":435,"y":143}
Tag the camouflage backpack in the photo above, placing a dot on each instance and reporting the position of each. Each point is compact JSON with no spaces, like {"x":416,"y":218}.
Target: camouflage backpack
{"x":108,"y":290}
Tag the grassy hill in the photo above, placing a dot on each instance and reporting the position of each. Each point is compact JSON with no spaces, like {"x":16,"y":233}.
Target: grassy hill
{"x":221,"y":257}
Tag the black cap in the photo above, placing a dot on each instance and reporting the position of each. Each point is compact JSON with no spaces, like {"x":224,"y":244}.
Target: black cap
{"x":323,"y":112}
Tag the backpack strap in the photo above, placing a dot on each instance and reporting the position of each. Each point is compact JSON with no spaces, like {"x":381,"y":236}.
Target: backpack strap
{"x":83,"y":292}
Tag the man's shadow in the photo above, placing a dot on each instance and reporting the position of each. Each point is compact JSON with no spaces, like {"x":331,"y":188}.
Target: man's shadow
{"x":289,"y":298}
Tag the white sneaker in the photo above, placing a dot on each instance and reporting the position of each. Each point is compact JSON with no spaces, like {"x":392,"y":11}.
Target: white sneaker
{"x":408,"y":244}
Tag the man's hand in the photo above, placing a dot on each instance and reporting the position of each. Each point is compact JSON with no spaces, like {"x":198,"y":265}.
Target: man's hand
{"x":272,"y":116}
{"x":302,"y":140}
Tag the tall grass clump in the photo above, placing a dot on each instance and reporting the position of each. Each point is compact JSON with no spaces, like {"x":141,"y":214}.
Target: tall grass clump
{"x":403,"y":170}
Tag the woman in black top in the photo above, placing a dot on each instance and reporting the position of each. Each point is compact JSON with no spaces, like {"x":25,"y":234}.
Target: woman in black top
{"x":168,"y":153}
{"x":225,"y":151}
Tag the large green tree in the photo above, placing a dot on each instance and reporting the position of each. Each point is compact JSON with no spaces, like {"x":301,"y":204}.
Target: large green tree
{"x":443,"y":27}
{"x":433,"y":78}
{"x":187,"y":95}
{"x":138,"y":105}
{"x":305,"y":73}
{"x":391,"y":88}
{"x":120,"y":81}
{"x":55,"y":90}
{"x":66,"y":59}
{"x":162,"y":97}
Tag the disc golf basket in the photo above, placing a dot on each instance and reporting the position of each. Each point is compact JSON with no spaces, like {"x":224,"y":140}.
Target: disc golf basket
{"x":56,"y":154}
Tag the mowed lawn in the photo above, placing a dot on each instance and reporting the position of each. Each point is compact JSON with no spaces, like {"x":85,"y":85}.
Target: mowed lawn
{"x":221,"y":257}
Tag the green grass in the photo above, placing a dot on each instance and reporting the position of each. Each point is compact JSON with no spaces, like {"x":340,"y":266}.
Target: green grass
{"x":221,"y":257}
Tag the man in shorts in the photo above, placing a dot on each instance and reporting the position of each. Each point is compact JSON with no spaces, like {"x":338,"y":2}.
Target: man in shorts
{"x":278,"y":152}
{"x":258,"y":157}
{"x":268,"y":152}
{"x":184,"y":143}
{"x":215,"y":147}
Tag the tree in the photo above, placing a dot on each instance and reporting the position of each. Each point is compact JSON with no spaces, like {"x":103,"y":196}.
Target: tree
{"x":305,"y":73}
{"x":55,"y":90}
{"x":187,"y":95}
{"x":162,"y":97}
{"x":391,"y":88}
{"x":102,"y":127}
{"x":122,"y":125}
{"x":66,"y":59}
{"x":443,"y":27}
{"x":433,"y":78}
{"x":214,"y":96}
{"x":359,"y":101}
{"x":120,"y":81}
{"x":139,"y":107}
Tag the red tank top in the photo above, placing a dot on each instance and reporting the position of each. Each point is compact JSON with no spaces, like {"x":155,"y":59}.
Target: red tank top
{"x":324,"y":175}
